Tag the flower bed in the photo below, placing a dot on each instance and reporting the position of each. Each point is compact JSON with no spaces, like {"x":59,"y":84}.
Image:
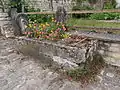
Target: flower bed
{"x":49,"y":31}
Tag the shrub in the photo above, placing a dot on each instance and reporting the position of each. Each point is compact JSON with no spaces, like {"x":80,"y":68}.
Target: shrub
{"x":38,"y":18}
{"x":18,"y":4}
{"x":105,"y":16}
{"x":78,"y":8}
{"x":110,"y":5}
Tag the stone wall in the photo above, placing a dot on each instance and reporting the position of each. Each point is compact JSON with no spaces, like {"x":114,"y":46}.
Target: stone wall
{"x":111,"y":52}
{"x":72,"y":56}
{"x":45,"y":5}
{"x":109,"y":45}
{"x":62,"y":54}
{"x":4,"y":5}
{"x":118,"y":3}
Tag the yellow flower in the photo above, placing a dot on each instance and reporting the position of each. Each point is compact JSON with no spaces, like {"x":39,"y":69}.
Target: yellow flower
{"x":57,"y":23}
{"x":52,"y":18}
{"x":26,"y":26}
{"x":52,"y":31}
{"x":34,"y":27}
{"x":43,"y":26}
{"x":66,"y":35}
{"x":30,"y":25}
{"x":47,"y":24}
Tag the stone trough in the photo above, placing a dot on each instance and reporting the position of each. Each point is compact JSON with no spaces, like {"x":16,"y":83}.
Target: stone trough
{"x":64,"y":55}
{"x":72,"y":55}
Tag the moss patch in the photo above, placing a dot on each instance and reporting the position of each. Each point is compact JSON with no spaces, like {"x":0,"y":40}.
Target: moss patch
{"x":89,"y":71}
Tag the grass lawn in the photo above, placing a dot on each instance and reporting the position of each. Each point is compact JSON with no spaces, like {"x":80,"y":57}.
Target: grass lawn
{"x":92,"y":23}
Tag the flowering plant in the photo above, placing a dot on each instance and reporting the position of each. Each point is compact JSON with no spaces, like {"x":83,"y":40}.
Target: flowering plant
{"x":49,"y":31}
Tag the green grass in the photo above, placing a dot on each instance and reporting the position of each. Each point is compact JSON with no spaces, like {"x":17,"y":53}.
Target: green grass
{"x":95,"y":23}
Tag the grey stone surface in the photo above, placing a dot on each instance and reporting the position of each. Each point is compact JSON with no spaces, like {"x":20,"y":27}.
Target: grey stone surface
{"x":100,"y":36}
{"x":12,"y":26}
{"x":45,"y":5}
{"x":24,"y":73}
{"x":109,"y":45}
{"x":72,"y":54}
{"x":61,"y":14}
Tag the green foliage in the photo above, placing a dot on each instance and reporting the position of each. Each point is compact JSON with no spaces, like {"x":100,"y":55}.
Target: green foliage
{"x":38,"y":18}
{"x":92,"y":1}
{"x":78,"y":8}
{"x":17,"y":4}
{"x":110,"y":5}
{"x":105,"y":16}
{"x":77,"y":73}
{"x":92,"y":23}
{"x":89,"y":71}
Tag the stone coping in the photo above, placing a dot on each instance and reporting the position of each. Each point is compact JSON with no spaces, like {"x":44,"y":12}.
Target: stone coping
{"x":99,"y":36}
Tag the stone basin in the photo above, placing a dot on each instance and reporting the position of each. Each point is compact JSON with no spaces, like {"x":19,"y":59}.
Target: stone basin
{"x":65,"y":55}
{"x":71,"y":55}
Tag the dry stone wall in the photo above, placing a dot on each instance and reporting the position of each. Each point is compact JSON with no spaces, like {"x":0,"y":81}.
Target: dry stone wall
{"x":109,"y":45}
{"x":70,"y":57}
{"x":111,"y":52}
{"x":66,"y":56}
{"x":45,"y":5}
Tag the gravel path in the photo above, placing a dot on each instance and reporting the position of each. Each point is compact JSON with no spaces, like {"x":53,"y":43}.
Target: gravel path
{"x":18,"y":72}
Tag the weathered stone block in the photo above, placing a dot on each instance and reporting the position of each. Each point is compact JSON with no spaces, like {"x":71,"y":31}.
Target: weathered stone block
{"x":7,"y":30}
{"x":70,"y":55}
{"x":61,"y":14}
{"x":115,"y":45}
{"x":110,"y":52}
{"x":114,"y":55}
{"x":112,"y":61}
{"x":114,"y":49}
